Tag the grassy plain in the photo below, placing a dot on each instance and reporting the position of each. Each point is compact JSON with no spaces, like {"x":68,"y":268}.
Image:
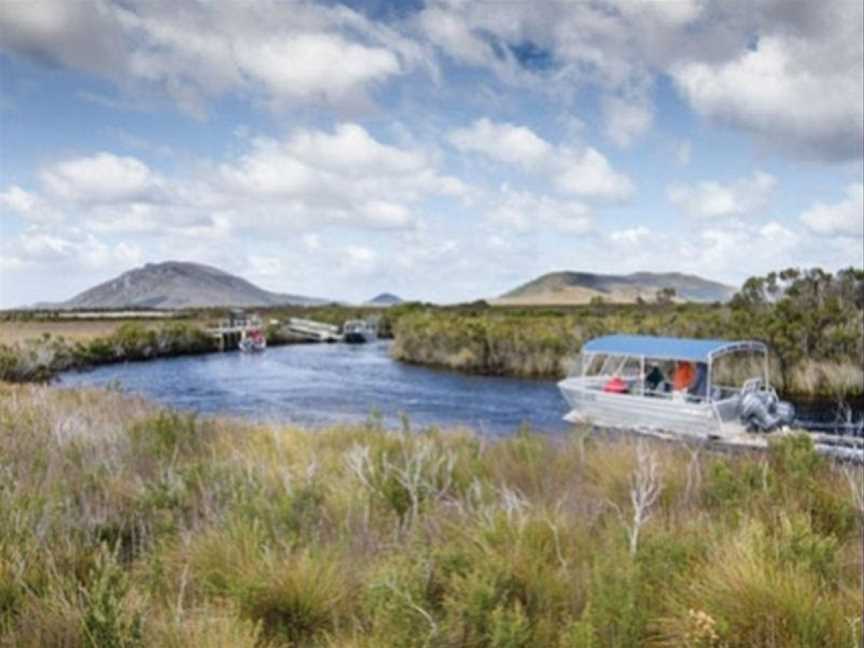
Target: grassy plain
{"x":16,"y":332}
{"x":125,"y":525}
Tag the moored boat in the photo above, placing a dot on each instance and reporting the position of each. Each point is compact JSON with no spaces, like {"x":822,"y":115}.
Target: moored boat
{"x":252,"y":341}
{"x":359,"y":331}
{"x":678,"y":385}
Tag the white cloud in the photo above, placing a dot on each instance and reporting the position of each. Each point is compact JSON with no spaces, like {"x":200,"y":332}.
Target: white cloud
{"x":501,"y":141}
{"x":789,"y":92}
{"x":308,"y":180}
{"x":285,"y":52}
{"x":583,"y":172}
{"x":346,"y":176}
{"x":736,"y":246}
{"x":387,"y":215}
{"x":81,"y":34}
{"x":350,"y":146}
{"x":69,"y":247}
{"x":359,"y":259}
{"x":757,"y":67}
{"x":311,"y":241}
{"x":845,"y":218}
{"x":101,"y":178}
{"x":633,"y":236}
{"x":315,"y":64}
{"x":626,"y":119}
{"x":28,"y":205}
{"x":454,"y":34}
{"x":711,"y":199}
{"x":19,"y":200}
{"x":525,"y":212}
{"x":588,"y":173}
{"x":264,"y":266}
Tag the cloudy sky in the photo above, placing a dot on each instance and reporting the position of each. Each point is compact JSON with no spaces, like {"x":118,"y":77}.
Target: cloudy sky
{"x":443,"y":150}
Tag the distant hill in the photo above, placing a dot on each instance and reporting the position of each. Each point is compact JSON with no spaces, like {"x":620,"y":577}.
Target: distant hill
{"x":177,"y":284}
{"x":385,"y":299}
{"x":580,"y":287}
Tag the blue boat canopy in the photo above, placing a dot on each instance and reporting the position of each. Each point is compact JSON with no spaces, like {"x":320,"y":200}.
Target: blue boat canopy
{"x":668,"y":348}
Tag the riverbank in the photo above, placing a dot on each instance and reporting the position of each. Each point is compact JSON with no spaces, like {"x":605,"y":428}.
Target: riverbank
{"x":35,"y":347}
{"x":38,"y":359}
{"x":122,"y":524}
{"x":544,"y":343}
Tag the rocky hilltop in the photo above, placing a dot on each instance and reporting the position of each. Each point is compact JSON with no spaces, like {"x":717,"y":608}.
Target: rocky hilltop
{"x":582,"y":287}
{"x":385,"y":299}
{"x":178,"y":284}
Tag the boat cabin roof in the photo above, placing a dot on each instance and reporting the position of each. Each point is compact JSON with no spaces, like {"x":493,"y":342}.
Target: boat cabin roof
{"x":669,"y":348}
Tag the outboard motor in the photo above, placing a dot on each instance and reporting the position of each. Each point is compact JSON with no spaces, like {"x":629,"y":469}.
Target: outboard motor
{"x":763,"y":411}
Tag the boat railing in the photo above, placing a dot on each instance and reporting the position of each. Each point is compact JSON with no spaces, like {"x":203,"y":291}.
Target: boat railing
{"x":636,"y":387}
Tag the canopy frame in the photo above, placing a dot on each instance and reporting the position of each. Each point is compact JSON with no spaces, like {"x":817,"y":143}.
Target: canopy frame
{"x":664,"y":348}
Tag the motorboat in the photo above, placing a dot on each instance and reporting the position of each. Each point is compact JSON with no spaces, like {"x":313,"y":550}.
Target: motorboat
{"x":252,"y":341}
{"x":359,"y":331}
{"x":689,"y":387}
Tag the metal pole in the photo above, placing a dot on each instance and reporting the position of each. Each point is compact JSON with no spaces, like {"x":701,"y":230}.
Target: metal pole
{"x":708,"y":378}
{"x":642,"y":372}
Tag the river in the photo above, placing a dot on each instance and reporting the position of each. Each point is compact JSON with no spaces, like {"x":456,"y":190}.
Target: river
{"x":324,"y":384}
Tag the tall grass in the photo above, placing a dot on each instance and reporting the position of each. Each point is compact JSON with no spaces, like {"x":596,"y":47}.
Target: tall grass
{"x":125,"y":525}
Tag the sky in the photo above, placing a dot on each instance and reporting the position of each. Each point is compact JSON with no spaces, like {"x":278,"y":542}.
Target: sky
{"x":441,"y":150}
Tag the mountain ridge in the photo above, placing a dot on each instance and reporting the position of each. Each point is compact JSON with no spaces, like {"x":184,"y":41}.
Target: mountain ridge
{"x":571,"y":287}
{"x":179,"y":284}
{"x":385,"y":299}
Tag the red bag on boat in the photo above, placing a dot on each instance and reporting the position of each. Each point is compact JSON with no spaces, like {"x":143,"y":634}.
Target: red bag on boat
{"x":615,"y":386}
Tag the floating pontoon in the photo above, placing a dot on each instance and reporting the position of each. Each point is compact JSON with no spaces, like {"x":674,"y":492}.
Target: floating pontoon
{"x":675,"y":385}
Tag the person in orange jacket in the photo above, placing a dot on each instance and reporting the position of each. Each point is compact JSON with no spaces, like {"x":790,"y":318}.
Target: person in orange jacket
{"x":685,"y":372}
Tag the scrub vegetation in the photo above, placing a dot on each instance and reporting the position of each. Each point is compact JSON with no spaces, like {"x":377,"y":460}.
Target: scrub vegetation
{"x":125,"y":525}
{"x":39,"y":359}
{"x":813,"y":321}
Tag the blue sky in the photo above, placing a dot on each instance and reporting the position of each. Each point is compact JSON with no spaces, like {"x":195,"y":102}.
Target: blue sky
{"x":442,"y":150}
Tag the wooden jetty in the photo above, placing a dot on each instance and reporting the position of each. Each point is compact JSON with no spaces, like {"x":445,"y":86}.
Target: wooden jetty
{"x":230,"y":331}
{"x":312,"y":331}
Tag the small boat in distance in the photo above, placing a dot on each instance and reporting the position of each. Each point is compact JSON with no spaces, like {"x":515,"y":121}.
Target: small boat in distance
{"x":693,"y":388}
{"x":252,"y":341}
{"x":360,"y":331}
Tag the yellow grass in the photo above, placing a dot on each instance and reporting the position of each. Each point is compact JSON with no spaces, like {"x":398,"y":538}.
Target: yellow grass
{"x":12,"y":332}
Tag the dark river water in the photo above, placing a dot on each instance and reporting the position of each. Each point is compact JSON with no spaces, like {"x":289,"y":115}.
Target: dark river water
{"x":322,"y":384}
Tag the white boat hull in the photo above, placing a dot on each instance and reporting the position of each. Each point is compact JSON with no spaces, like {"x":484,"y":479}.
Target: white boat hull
{"x":633,"y":411}
{"x":251,"y":346}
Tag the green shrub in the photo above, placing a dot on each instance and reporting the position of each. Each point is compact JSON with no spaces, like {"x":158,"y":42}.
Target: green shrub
{"x":731,"y":484}
{"x":108,"y":622}
{"x":616,"y":611}
{"x":294,"y":598}
{"x":509,"y":627}
{"x":166,"y":434}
